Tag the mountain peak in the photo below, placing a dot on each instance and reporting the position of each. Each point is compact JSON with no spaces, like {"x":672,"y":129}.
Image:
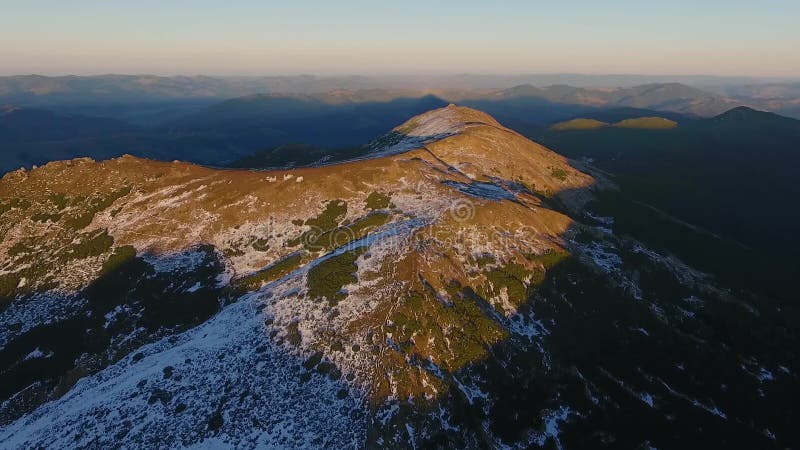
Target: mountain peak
{"x":741,"y":112}
{"x":450,"y":119}
{"x":431,"y":126}
{"x":752,"y":117}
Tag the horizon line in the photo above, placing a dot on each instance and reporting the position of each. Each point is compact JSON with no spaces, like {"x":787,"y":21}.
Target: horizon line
{"x":397,"y":75}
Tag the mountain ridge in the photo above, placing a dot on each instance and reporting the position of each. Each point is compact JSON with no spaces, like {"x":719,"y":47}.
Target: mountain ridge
{"x":452,"y":286}
{"x":453,"y":144}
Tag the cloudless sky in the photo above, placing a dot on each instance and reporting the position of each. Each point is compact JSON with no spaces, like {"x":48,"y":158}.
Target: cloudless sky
{"x":252,"y":37}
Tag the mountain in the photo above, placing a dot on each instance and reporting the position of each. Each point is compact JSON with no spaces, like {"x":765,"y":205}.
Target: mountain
{"x":36,"y":89}
{"x":146,"y":99}
{"x":779,"y":97}
{"x":671,"y":97}
{"x":47,"y":91}
{"x":764,"y":91}
{"x":753,"y":120}
{"x":455,"y":286}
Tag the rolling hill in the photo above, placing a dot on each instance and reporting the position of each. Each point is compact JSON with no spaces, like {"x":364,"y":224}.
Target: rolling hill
{"x":579,"y":124}
{"x":644,"y":123}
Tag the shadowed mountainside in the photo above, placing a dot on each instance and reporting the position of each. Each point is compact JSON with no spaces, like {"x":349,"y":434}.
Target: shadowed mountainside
{"x":25,"y":125}
{"x":733,"y":174}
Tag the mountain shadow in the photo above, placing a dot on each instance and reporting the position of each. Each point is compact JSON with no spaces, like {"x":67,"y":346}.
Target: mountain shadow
{"x":217,"y":135}
{"x":731,"y":175}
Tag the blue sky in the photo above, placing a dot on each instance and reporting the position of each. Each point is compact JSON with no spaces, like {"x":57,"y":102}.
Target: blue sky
{"x":733,"y":37}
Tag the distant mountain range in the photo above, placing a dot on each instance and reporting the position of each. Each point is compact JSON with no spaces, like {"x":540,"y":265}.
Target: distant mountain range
{"x":89,"y":92}
{"x":781,"y":98}
{"x":188,"y":118}
{"x":106,"y":87}
{"x":673,"y":97}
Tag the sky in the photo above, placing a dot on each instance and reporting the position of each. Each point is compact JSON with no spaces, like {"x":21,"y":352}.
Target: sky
{"x":252,"y":37}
